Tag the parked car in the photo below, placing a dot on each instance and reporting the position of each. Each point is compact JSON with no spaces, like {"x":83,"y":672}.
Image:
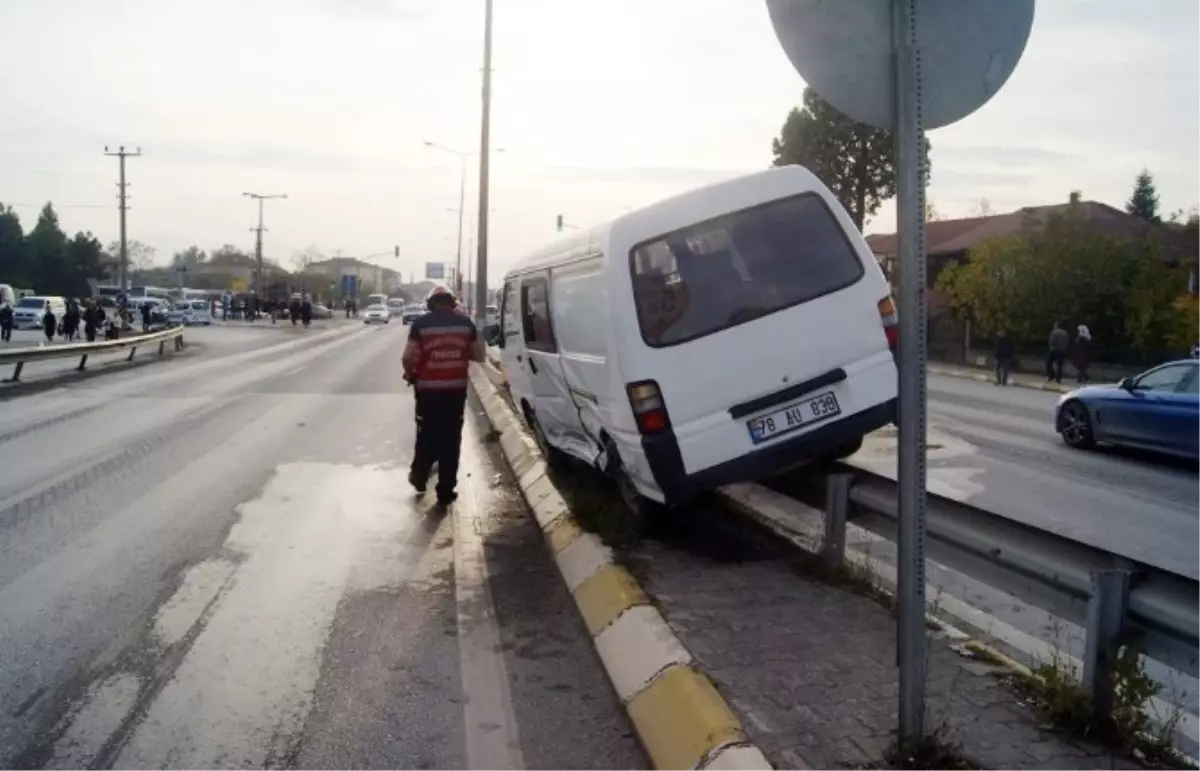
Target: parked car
{"x":376,"y":314}
{"x":29,"y":311}
{"x":320,"y":311}
{"x":723,"y":335}
{"x":1158,"y":410}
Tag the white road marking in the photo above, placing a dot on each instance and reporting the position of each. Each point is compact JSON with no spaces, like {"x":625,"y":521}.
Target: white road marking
{"x":489,"y":723}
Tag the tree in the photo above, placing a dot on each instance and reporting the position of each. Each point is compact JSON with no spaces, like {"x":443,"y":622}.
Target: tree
{"x":46,"y":252}
{"x":191,"y":257}
{"x":140,"y":256}
{"x":306,"y":257}
{"x":983,"y":208}
{"x":931,"y":211}
{"x":84,"y":263}
{"x":1122,"y":288}
{"x":13,"y":264}
{"x":854,"y":160}
{"x":229,"y":254}
{"x":1144,"y":201}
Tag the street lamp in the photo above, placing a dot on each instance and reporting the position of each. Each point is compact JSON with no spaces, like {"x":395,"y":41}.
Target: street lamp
{"x":258,"y":253}
{"x":462,"y":191}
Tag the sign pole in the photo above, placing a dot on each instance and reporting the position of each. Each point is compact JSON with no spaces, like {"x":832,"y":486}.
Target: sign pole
{"x":909,"y":138}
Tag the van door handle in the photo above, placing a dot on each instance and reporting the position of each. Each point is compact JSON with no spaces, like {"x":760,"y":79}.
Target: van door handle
{"x":520,"y":357}
{"x":532,"y":366}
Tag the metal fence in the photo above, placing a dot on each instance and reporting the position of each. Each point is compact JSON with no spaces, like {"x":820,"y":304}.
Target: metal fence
{"x":19,"y":357}
{"x":1116,"y":600}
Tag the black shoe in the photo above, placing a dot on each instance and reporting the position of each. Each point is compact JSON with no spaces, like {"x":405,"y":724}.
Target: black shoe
{"x":445,"y":499}
{"x":419,"y":485}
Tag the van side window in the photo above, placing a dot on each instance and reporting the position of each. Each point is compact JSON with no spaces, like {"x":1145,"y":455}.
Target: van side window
{"x":510,"y":313}
{"x":535,"y":315}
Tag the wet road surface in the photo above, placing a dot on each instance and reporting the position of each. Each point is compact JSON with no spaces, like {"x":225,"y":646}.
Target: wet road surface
{"x":216,"y":562}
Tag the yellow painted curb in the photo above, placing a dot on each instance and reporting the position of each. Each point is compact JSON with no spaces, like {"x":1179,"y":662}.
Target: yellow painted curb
{"x":606,"y":595}
{"x":680,"y":718}
{"x":988,"y":652}
{"x":562,"y":534}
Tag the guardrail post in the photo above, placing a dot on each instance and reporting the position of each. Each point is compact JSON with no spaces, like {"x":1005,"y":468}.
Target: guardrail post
{"x":16,"y":378}
{"x":1105,"y":621}
{"x":162,"y":347}
{"x":837,"y":500}
{"x":82,"y":363}
{"x":132,"y":351}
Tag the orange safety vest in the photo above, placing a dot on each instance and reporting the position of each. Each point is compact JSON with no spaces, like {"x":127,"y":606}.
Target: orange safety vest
{"x":445,"y":342}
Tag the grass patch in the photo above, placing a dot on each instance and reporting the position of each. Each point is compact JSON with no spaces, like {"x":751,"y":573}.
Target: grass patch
{"x":599,"y":510}
{"x":1059,"y":700}
{"x":934,"y":751}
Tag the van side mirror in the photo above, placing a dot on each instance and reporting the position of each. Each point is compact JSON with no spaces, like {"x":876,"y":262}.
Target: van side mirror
{"x":1126,"y":384}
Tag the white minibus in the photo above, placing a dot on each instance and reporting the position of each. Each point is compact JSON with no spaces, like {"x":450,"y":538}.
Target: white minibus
{"x":726,"y":334}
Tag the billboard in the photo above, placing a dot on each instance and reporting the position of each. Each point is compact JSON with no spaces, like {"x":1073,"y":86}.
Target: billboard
{"x":349,"y":285}
{"x":435,"y":270}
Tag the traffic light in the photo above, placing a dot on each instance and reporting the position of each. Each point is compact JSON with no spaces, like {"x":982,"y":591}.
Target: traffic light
{"x":560,"y":223}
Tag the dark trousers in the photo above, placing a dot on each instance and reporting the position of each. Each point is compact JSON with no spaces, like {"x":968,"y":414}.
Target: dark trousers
{"x":1003,"y":366}
{"x":6,"y":333}
{"x":439,"y":436}
{"x":89,"y":332}
{"x":1054,"y":365}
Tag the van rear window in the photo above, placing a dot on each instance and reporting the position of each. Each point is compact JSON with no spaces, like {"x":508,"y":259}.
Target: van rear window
{"x":739,"y":267}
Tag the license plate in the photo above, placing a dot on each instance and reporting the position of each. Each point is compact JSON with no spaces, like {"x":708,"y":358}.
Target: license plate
{"x":793,"y":417}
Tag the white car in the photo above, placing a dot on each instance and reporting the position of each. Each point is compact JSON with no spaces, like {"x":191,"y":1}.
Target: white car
{"x":724,"y":335}
{"x":191,"y":312}
{"x":29,"y":311}
{"x":374,"y":314}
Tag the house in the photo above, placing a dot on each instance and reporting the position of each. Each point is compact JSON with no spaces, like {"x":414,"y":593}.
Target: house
{"x":948,"y":241}
{"x":378,"y":278}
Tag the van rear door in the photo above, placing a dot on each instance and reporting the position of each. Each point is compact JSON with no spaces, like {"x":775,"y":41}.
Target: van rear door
{"x":743,"y":313}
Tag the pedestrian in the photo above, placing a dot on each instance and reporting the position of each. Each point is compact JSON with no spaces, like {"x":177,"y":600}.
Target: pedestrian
{"x":294,"y":310}
{"x":1081,"y":352}
{"x":49,"y":324}
{"x":6,"y":323}
{"x":71,"y":321}
{"x":93,"y":319}
{"x":1058,"y":342}
{"x":441,"y":345}
{"x":145,"y":317}
{"x":306,"y":310}
{"x":1006,"y":351}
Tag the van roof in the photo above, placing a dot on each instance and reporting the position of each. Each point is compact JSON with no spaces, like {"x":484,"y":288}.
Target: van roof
{"x":734,"y":194}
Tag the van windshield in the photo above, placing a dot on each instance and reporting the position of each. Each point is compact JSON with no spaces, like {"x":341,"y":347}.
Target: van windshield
{"x":32,"y":302}
{"x":739,"y":267}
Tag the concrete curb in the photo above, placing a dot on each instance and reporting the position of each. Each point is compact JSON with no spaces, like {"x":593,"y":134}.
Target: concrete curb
{"x":1057,"y":388}
{"x":680,"y":718}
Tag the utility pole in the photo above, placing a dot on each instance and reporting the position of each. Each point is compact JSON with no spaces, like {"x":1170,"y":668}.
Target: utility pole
{"x":121,"y":155}
{"x":481,"y":277}
{"x":258,"y":250}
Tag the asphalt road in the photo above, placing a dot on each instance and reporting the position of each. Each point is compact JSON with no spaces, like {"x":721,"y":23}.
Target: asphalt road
{"x":216,"y":562}
{"x":996,"y":448}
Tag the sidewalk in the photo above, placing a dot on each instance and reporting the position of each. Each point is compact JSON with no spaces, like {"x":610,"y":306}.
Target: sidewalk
{"x":1034,"y":381}
{"x":811,"y":667}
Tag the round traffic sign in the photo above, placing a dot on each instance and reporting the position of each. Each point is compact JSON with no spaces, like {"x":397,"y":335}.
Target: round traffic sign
{"x":844,"y":50}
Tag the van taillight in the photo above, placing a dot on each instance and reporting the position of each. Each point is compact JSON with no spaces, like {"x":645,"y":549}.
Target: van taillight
{"x":890,"y":320}
{"x":648,"y":407}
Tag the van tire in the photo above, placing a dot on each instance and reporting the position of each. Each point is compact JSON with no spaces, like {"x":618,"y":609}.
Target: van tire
{"x":555,"y":458}
{"x":640,"y":508}
{"x":847,"y":449}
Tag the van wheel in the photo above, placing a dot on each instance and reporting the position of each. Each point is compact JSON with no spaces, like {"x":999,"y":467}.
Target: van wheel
{"x":640,"y":508}
{"x":555,"y":458}
{"x":847,"y":449}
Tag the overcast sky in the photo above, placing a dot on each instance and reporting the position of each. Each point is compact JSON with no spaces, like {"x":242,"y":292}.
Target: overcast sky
{"x":600,"y":106}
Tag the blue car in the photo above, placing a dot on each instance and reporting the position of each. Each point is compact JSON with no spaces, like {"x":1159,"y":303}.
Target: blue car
{"x":1157,"y":410}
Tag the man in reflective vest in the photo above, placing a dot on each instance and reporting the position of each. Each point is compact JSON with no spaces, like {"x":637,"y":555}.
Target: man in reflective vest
{"x":441,"y":346}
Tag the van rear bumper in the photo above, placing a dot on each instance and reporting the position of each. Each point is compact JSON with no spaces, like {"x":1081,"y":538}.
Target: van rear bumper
{"x":662,"y":453}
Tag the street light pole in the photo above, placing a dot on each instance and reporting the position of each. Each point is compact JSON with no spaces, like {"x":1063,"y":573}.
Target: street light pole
{"x":481,"y":280}
{"x":462,"y":194}
{"x":258,"y":243}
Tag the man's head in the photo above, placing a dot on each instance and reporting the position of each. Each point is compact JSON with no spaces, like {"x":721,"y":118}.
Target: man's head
{"x":440,"y":298}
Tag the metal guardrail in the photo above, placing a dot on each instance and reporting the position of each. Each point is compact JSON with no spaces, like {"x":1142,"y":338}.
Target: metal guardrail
{"x":19,"y":357}
{"x":1117,"y":600}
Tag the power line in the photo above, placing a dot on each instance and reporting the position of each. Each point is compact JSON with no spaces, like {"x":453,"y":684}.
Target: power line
{"x":121,"y":155}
